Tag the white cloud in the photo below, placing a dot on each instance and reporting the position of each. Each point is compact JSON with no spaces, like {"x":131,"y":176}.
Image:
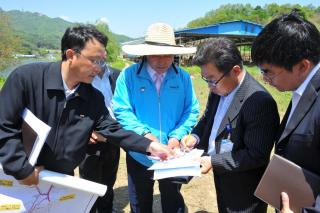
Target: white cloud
{"x":104,"y":20}
{"x":66,"y":18}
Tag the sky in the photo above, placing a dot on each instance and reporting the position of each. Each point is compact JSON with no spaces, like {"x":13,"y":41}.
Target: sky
{"x":132,"y":17}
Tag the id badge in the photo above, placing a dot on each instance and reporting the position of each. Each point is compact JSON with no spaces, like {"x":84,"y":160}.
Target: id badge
{"x":226,"y":145}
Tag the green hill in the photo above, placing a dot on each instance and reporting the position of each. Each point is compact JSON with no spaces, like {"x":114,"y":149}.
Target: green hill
{"x":37,"y":30}
{"x":259,"y":14}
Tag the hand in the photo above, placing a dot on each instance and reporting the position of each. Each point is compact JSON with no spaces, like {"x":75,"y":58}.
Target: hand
{"x":33,"y":178}
{"x":205,"y":163}
{"x":173,"y":143}
{"x":160,"y":150}
{"x":285,"y":203}
{"x":151,"y":137}
{"x":188,"y":142}
{"x":96,"y":137}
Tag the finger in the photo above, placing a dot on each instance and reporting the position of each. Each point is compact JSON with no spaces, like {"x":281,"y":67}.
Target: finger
{"x":204,"y":169}
{"x":92,"y":141}
{"x":94,"y":136}
{"x":285,"y":201}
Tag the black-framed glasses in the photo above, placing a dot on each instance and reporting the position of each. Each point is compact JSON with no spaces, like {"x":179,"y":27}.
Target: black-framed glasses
{"x":268,"y":77}
{"x":99,"y":62}
{"x":214,"y":83}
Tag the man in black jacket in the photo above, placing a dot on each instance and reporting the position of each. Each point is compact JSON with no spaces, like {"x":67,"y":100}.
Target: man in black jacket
{"x":60,"y":94}
{"x":237,"y":129}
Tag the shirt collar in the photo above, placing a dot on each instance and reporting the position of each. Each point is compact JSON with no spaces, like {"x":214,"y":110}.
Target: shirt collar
{"x":305,"y":83}
{"x":54,"y":81}
{"x":153,"y":73}
{"x":68,"y":91}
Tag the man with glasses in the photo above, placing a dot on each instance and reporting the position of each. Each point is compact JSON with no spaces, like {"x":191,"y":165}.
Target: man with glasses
{"x":237,"y":129}
{"x":288,"y":52}
{"x":61,"y":95}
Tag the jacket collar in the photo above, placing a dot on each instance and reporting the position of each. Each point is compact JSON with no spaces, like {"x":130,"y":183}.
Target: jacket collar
{"x":53,"y":80}
{"x":306,"y":102}
{"x":236,"y":104}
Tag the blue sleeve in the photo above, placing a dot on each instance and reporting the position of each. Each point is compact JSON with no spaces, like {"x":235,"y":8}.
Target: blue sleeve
{"x":122,"y":106}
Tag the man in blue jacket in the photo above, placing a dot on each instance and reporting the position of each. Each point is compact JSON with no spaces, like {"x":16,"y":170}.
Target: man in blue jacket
{"x":155,"y":99}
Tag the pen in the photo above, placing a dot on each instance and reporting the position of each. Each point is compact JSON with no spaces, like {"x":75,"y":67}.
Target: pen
{"x":188,"y":137}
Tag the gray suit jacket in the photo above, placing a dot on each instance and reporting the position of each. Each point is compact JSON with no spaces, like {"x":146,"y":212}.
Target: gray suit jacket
{"x":254,"y":119}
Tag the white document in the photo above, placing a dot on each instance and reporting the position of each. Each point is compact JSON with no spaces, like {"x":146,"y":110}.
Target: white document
{"x":182,"y":166}
{"x":41,"y":129}
{"x":184,"y":171}
{"x":55,"y":193}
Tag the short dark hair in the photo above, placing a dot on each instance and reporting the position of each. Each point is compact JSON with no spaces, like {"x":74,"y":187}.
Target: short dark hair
{"x":287,"y":40}
{"x":76,"y":37}
{"x":221,"y":52}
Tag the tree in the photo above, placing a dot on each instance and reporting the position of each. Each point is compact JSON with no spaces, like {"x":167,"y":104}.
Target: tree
{"x":9,"y":41}
{"x":113,"y":48}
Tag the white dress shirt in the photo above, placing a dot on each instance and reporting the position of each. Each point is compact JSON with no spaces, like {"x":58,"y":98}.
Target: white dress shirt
{"x":296,"y":95}
{"x":223,"y":106}
{"x":103,"y":85}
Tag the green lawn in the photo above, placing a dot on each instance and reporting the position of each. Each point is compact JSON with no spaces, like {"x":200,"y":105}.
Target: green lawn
{"x":2,"y":80}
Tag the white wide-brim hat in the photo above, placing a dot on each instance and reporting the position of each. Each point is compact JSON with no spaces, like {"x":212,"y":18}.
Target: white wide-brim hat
{"x":159,"y":40}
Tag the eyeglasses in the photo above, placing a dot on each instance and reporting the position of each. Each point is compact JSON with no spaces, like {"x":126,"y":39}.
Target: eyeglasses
{"x":269,"y":78}
{"x":101,"y":63}
{"x":214,"y":83}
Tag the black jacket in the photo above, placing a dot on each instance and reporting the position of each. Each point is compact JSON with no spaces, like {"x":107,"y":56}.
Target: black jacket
{"x":39,"y":87}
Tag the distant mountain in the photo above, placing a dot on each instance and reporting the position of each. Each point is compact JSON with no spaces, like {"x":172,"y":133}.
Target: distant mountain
{"x":122,"y":38}
{"x":40,"y":31}
{"x":37,"y":30}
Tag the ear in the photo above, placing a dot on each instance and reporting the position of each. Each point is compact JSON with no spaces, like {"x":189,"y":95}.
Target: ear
{"x":304,"y":66}
{"x":69,"y":54}
{"x":236,"y":69}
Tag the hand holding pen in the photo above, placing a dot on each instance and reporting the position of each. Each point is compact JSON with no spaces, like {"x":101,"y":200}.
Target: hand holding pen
{"x":188,"y":142}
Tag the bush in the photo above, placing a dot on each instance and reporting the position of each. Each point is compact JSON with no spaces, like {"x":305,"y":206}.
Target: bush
{"x":2,"y":80}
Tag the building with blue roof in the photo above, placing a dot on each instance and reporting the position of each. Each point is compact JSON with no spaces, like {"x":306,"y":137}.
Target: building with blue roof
{"x":242,"y":32}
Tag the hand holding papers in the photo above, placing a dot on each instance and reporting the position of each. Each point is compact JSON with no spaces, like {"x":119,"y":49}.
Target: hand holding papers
{"x":182,"y":166}
{"x":34,"y":134}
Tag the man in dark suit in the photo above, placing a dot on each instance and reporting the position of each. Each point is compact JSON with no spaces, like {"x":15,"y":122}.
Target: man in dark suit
{"x":102,"y":159}
{"x":288,"y":53}
{"x":237,"y":129}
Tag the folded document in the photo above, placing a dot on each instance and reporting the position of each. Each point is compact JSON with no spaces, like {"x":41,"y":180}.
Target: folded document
{"x":182,"y":166}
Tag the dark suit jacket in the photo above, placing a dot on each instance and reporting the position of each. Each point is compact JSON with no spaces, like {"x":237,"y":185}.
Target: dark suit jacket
{"x":254,"y":117}
{"x":113,"y":77}
{"x":299,"y":141}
